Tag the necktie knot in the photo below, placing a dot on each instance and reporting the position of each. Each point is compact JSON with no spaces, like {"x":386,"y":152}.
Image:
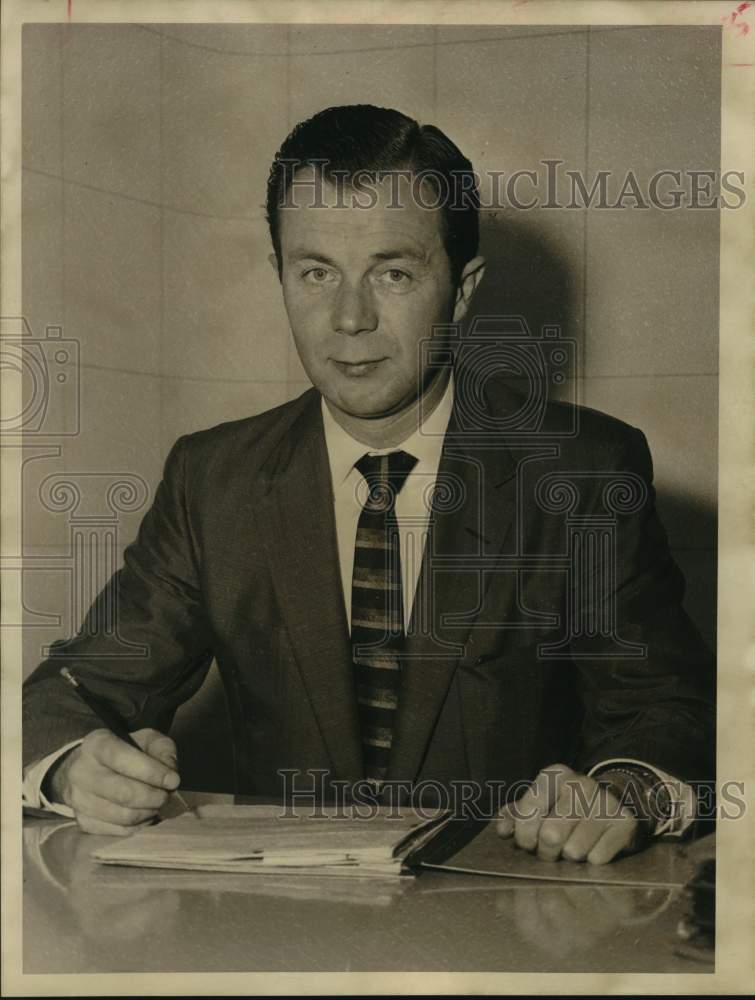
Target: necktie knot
{"x":385,"y":475}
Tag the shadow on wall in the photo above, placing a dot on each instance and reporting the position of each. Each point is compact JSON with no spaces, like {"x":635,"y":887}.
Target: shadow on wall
{"x":527,"y":275}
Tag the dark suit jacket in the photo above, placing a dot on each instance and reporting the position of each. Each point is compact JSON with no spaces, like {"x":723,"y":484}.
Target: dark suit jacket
{"x":547,"y":625}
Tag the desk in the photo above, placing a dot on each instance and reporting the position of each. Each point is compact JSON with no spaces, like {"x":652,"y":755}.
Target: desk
{"x":84,"y":917}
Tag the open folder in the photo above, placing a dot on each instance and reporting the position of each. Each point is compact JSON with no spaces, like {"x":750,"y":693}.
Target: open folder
{"x":263,"y":839}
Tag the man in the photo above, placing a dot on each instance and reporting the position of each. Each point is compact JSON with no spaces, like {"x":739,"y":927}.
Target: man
{"x":410,"y":574}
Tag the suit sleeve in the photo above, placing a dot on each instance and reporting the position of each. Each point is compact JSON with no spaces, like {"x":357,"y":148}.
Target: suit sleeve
{"x":145,"y":645}
{"x":657,"y":706}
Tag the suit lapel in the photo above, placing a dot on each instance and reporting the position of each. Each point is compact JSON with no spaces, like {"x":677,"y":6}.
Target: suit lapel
{"x":301,"y":543}
{"x":472,"y":518}
{"x":452,"y":586}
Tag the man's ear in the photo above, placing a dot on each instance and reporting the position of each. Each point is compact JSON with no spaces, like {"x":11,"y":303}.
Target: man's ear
{"x":273,"y":259}
{"x":471,"y":277}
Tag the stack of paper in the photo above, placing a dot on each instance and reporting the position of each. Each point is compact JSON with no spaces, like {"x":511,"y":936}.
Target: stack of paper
{"x":262,"y":839}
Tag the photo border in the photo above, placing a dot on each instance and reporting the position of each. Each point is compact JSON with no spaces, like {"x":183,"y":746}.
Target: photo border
{"x":735,"y":956}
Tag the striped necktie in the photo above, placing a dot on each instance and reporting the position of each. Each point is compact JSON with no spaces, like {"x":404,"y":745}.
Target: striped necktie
{"x":377,"y":611}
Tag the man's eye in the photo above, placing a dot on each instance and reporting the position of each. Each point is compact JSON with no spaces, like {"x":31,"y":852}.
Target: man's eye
{"x":395,"y":276}
{"x":317,"y":275}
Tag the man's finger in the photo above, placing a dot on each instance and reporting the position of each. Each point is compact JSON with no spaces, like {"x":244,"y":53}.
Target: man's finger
{"x":124,"y":791}
{"x":117,"y":755}
{"x":530,"y":810}
{"x":619,"y":836}
{"x":583,"y":838}
{"x":586,"y":834}
{"x":157,"y":745}
{"x":504,"y":824}
{"x":96,"y":807}
{"x":90,"y":824}
{"x":557,"y":827}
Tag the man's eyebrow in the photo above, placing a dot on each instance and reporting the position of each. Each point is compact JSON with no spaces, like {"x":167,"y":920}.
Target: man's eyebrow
{"x":297,"y":255}
{"x":401,"y":253}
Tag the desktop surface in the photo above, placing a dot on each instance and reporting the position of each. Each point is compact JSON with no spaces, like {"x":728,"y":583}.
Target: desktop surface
{"x":80,"y":916}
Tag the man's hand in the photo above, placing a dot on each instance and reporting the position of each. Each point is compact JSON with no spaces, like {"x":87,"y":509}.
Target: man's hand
{"x":113,"y":787}
{"x":568,"y":815}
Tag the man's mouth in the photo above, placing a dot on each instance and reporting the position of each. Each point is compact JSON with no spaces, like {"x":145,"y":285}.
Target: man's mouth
{"x":357,"y":369}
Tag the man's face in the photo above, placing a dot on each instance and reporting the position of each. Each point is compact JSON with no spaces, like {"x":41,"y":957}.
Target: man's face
{"x":363,"y":287}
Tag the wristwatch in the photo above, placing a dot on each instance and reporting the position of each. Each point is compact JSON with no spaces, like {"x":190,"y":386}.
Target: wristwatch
{"x":642,"y":792}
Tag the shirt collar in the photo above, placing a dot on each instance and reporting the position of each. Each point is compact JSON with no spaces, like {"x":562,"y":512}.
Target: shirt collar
{"x":425,"y":443}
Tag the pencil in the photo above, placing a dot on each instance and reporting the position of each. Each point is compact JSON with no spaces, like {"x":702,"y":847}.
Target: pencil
{"x":109,"y":718}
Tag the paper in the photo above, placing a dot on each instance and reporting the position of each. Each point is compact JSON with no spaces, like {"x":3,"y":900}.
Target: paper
{"x":254,"y":839}
{"x":663,"y":865}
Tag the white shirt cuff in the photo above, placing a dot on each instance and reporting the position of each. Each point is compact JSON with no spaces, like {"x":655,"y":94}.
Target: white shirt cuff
{"x":33,"y":796}
{"x":682,"y":796}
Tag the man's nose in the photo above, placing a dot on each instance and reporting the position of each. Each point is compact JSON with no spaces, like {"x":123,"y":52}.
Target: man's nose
{"x":354,"y":310}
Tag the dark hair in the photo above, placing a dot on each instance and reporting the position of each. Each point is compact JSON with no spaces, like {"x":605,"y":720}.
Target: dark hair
{"x":359,"y":139}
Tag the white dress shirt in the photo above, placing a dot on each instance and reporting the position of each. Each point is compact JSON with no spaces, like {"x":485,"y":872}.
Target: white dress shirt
{"x":412,"y":514}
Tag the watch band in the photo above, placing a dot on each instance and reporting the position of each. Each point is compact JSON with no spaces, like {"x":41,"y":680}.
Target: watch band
{"x":641,"y":791}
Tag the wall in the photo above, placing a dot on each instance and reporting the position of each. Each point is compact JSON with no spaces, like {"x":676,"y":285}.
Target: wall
{"x":145,"y":154}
